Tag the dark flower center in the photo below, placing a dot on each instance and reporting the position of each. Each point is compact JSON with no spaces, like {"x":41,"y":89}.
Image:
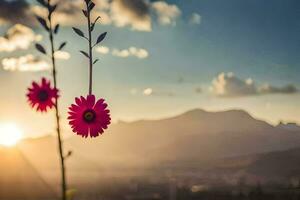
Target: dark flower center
{"x":89,"y":116}
{"x":43,"y":95}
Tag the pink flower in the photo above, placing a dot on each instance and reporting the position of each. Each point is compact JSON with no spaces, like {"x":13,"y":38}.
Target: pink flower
{"x":88,"y":117}
{"x":42,"y":96}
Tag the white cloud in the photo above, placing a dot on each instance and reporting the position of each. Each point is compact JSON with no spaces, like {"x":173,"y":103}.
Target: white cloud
{"x":268,"y":89}
{"x":103,"y":50}
{"x":166,"y":13}
{"x":195,"y":18}
{"x":134,"y":13}
{"x":103,"y":4}
{"x":121,"y":53}
{"x":231,"y":86}
{"x":18,"y":37}
{"x":151,"y":92}
{"x":132,"y":51}
{"x":69,"y":12}
{"x":62,"y":55}
{"x":24,"y":64}
{"x":148,"y":91}
{"x":228,"y":85}
{"x":139,"y":53}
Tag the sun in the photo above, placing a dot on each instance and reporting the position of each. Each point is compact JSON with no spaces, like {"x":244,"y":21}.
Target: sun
{"x":10,"y":134}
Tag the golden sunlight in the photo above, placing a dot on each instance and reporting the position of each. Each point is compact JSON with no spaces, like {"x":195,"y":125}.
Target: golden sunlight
{"x":10,"y":134}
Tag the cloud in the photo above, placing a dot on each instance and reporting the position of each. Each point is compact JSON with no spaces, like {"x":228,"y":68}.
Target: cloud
{"x":231,"y":86}
{"x":166,"y":13}
{"x":148,"y":91}
{"x":152,"y":92}
{"x":103,"y":50}
{"x":138,"y":15}
{"x":121,"y":13}
{"x":25,"y":64}
{"x":195,"y":19}
{"x":62,"y":55}
{"x":132,"y":51}
{"x":105,"y":18}
{"x":228,"y":85}
{"x":16,"y":11}
{"x":103,"y":4}
{"x":134,"y":13}
{"x":69,"y":12}
{"x":121,"y":53}
{"x":18,"y":37}
{"x":268,"y":89}
{"x":139,"y":53}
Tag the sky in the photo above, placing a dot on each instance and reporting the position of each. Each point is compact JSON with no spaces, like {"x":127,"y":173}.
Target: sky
{"x":160,"y":58}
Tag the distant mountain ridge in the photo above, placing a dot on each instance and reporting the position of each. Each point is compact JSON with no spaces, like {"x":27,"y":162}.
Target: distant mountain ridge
{"x":195,"y":136}
{"x":279,"y":167}
{"x":291,"y":126}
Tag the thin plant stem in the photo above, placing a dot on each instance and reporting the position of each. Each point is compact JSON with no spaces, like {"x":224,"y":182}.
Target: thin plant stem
{"x":58,"y":129}
{"x":90,"y":51}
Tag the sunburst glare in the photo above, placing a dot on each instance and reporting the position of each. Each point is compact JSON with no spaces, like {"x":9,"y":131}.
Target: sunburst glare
{"x":10,"y":134}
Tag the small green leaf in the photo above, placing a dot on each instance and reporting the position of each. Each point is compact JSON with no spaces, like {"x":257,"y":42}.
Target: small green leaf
{"x":62,"y":45}
{"x":85,"y":54}
{"x":97,"y":19}
{"x":91,"y":6}
{"x":95,"y":61}
{"x":69,"y":154}
{"x":78,"y":32}
{"x":52,"y":8}
{"x":101,"y":37}
{"x":43,"y":22}
{"x":87,"y":1}
{"x":93,"y":24}
{"x":56,"y":28}
{"x":85,"y":13}
{"x":40,"y":48}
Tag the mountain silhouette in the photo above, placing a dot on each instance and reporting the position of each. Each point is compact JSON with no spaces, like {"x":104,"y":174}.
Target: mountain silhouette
{"x":272,"y":167}
{"x":276,"y":164}
{"x":198,"y":136}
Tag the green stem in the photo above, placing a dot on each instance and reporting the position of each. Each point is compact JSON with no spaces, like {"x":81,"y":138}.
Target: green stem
{"x":60,"y":143}
{"x":90,"y":51}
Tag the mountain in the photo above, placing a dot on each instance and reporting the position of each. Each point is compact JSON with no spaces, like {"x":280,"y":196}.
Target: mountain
{"x":197,"y":136}
{"x":277,"y":164}
{"x":289,"y":126}
{"x":273,"y":167}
